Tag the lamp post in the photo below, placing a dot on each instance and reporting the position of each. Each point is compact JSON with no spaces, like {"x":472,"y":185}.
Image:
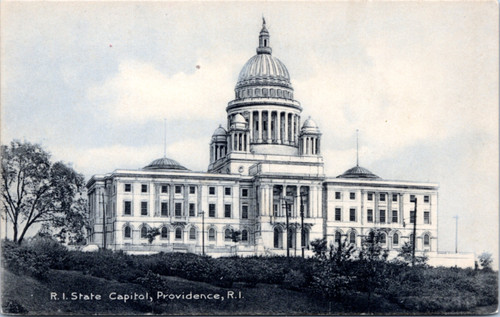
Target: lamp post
{"x":302,"y":238}
{"x":202,"y":213}
{"x":414,"y":233}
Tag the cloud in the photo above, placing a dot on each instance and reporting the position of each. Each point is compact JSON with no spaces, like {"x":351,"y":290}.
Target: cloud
{"x":140,"y":92}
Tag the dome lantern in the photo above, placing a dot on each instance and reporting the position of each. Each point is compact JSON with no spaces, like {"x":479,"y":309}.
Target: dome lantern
{"x":264,"y":38}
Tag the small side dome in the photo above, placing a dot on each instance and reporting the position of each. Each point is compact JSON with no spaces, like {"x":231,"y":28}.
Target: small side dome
{"x":165,"y":163}
{"x":220,"y":131}
{"x":238,"y":118}
{"x":310,"y":126}
{"x":358,"y":172}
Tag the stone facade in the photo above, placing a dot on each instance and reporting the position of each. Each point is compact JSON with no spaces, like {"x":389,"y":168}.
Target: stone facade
{"x":265,"y":179}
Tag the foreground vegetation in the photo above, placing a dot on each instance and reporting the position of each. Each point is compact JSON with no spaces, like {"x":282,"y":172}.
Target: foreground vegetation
{"x":334,"y":281}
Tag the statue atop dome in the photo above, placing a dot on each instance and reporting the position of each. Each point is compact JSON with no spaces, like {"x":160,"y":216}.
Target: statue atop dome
{"x":264,"y":39}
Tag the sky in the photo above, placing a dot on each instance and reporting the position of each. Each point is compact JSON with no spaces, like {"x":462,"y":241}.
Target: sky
{"x":93,"y":82}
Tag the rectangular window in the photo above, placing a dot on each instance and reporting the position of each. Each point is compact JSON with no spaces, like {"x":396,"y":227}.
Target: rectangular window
{"x":394,"y":197}
{"x":128,"y":188}
{"x":426,"y":199}
{"x":127,"y":208}
{"x":191,"y":210}
{"x":394,"y":216}
{"x":211,"y":190}
{"x":192,"y":189}
{"x":178,"y":189}
{"x":382,"y":216}
{"x":244,"y":192}
{"x":227,"y":191}
{"x":412,"y":216}
{"x":244,"y":212}
{"x":369,"y":215}
{"x":227,"y":211}
{"x":144,"y":188}
{"x":412,"y":198}
{"x":144,"y":208}
{"x":178,"y":209}
{"x":352,"y":196}
{"x":338,"y":212}
{"x":164,"y":189}
{"x":382,"y":197}
{"x":164,"y":209}
{"x":352,"y":214}
{"x":370,"y":196}
{"x":211,"y":210}
{"x":427,"y":216}
{"x":337,"y":195}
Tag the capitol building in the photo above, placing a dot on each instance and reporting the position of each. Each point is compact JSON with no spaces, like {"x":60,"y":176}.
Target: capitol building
{"x":265,"y":180}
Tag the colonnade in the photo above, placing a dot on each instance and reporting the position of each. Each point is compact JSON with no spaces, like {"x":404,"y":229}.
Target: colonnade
{"x":310,"y":145}
{"x":238,"y":141}
{"x":273,"y":126}
{"x":217,"y":150}
{"x":271,"y":205}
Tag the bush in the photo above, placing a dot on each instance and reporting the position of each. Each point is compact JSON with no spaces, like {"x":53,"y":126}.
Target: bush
{"x":24,"y":260}
{"x":294,"y":280}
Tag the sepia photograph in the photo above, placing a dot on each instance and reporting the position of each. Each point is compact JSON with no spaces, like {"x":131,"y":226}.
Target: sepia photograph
{"x":249,"y":158}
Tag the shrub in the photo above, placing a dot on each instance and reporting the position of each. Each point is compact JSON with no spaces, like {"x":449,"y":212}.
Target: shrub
{"x":24,"y":260}
{"x":294,"y":280}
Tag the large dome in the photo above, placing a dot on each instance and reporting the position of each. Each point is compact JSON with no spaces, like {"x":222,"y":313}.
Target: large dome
{"x":165,"y":163}
{"x":264,"y":69}
{"x":358,"y":172}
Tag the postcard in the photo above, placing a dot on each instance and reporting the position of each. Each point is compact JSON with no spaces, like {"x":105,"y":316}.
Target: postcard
{"x":249,"y":158}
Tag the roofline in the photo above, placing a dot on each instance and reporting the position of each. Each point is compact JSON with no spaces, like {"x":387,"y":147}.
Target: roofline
{"x":168,"y":173}
{"x":381,"y":183}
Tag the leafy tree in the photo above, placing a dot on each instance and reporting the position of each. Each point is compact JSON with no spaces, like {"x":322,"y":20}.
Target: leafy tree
{"x":35,"y":190}
{"x":406,"y":255}
{"x":486,"y":260}
{"x":152,"y":233}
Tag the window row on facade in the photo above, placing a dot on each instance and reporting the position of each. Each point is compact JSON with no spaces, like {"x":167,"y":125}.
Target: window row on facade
{"x":352,"y":235}
{"x":179,"y":189}
{"x":263,"y":92}
{"x":181,"y":234}
{"x":370,"y":196}
{"x":382,"y":216}
{"x":179,"y":210}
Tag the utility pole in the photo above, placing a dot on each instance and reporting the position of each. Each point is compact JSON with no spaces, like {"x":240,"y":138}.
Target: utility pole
{"x":302,"y":238}
{"x":202,"y":213}
{"x":287,"y":232}
{"x":456,"y":233}
{"x":414,"y":233}
{"x":103,"y":222}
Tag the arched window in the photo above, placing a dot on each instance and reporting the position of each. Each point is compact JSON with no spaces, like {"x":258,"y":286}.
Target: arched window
{"x":272,"y":92}
{"x":426,"y":240}
{"x":192,"y":234}
{"x":164,"y":233}
{"x":178,"y":234}
{"x":278,"y":239}
{"x":306,"y":238}
{"x":144,"y":232}
{"x":352,"y":237}
{"x":395,"y":239}
{"x":244,"y":235}
{"x":127,"y":232}
{"x":337,"y":237}
{"x":383,"y":237}
{"x":291,"y":238}
{"x":211,"y":234}
{"x":258,"y":92}
{"x":227,"y":235}
{"x":264,"y":92}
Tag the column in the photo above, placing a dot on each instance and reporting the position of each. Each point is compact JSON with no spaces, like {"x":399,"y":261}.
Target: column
{"x":186,"y":200}
{"x":260,"y":121}
{"x":285,"y":130}
{"x":269,"y":126}
{"x":171,"y":201}
{"x":278,"y":127}
{"x":250,"y":126}
{"x":262,"y":201}
{"x":318,"y":146}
